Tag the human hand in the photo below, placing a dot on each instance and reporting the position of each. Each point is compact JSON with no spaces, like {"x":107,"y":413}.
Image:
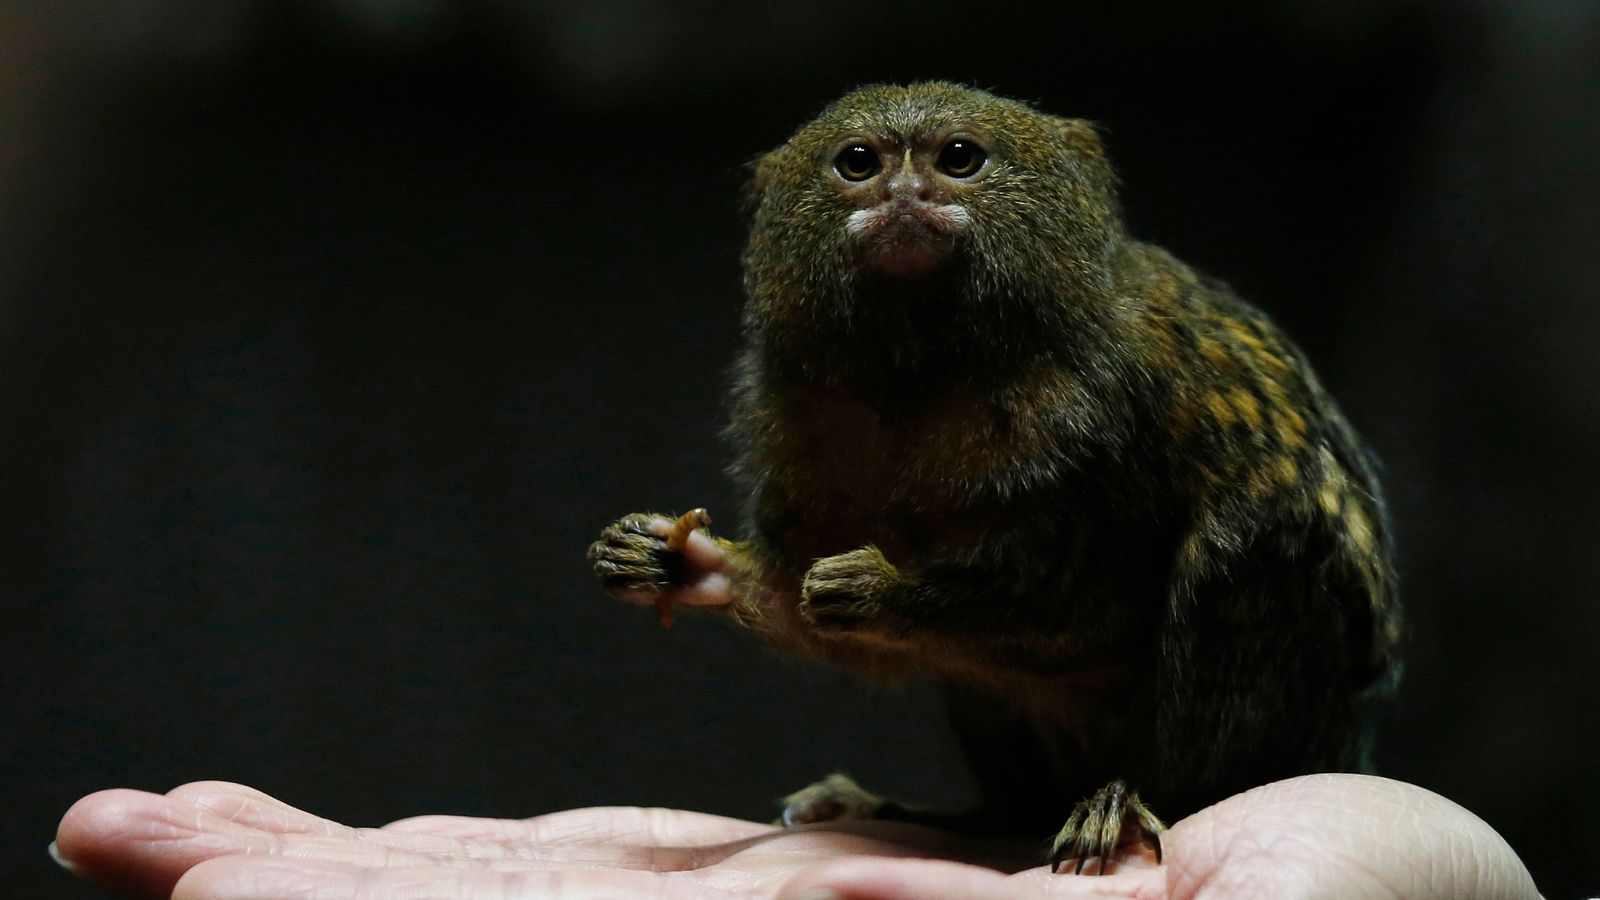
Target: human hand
{"x":1319,"y":835}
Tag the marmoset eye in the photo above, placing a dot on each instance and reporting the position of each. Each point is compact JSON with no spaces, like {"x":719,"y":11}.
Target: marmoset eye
{"x":856,"y":162}
{"x":961,"y":158}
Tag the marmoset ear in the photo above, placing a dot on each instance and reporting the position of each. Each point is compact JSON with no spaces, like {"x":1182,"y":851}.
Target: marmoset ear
{"x":761,"y":174}
{"x":1088,"y":154}
{"x":1083,"y":139}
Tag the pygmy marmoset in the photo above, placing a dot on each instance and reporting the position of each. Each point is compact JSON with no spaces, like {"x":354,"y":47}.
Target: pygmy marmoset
{"x":988,"y":438}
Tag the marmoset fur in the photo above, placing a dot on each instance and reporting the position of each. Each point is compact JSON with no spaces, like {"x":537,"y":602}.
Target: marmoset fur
{"x":990,"y":439}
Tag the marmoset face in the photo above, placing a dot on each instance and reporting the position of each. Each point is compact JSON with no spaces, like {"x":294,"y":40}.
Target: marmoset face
{"x":909,"y":192}
{"x":901,"y":181}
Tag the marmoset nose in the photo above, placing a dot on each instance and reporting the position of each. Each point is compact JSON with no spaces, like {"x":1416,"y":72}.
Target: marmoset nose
{"x":908,"y":184}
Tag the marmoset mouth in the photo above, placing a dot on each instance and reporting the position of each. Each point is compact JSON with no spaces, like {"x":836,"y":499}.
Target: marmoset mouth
{"x":908,"y":237}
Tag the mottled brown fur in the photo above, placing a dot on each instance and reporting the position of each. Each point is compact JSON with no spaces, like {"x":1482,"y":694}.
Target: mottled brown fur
{"x":1102,"y":499}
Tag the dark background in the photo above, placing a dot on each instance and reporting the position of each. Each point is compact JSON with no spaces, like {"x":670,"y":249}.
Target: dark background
{"x":331,"y":332}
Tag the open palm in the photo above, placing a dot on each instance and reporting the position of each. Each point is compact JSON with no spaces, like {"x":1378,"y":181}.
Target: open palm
{"x":1314,"y":836}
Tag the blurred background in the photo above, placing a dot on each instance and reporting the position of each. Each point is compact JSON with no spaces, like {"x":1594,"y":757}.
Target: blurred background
{"x":331,"y":331}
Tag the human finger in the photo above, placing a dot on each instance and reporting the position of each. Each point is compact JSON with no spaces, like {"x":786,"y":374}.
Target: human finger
{"x":140,"y":843}
{"x":249,"y":878}
{"x":634,"y":825}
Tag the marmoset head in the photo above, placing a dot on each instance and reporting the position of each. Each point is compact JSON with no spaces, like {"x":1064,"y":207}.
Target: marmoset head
{"x":911,"y":181}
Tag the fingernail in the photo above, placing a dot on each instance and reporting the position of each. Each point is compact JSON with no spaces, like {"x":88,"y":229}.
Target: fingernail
{"x":819,"y":894}
{"x":62,"y":861}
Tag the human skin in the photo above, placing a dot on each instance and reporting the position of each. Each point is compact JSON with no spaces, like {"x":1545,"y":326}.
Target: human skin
{"x":1347,"y":836}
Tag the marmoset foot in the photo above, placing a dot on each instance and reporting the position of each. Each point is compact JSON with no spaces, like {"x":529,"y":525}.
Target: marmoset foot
{"x":832,"y":798}
{"x":1096,"y":828}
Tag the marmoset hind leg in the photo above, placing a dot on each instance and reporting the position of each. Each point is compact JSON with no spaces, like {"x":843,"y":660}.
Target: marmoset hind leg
{"x":1101,"y":826}
{"x":1024,"y":788}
